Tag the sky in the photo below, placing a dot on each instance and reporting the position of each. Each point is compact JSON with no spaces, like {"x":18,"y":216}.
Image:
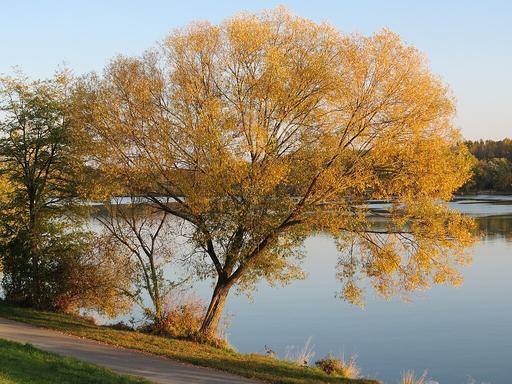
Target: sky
{"x":468,"y":43}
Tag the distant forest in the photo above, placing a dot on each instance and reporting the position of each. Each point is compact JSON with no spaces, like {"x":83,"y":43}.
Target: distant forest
{"x":493,"y":170}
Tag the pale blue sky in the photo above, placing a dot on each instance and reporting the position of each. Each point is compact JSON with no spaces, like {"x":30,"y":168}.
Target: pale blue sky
{"x":469,"y":43}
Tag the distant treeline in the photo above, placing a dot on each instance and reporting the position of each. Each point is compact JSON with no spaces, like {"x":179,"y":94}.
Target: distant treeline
{"x":493,"y":170}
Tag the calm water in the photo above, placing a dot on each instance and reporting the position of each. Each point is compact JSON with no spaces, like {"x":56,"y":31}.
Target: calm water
{"x":457,"y":334}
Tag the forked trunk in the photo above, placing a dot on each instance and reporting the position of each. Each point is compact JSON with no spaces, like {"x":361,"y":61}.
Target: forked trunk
{"x":214,"y":312}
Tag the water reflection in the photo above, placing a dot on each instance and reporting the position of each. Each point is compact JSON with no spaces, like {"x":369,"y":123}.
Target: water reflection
{"x":453,"y":333}
{"x":492,"y":227}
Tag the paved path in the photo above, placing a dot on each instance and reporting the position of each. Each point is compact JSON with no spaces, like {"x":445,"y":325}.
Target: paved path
{"x":154,"y":368}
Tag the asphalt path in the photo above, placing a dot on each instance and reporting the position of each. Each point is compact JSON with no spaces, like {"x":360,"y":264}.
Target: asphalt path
{"x":151,"y":367}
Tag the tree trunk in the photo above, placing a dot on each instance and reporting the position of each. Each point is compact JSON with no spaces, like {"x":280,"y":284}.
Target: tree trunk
{"x":159,"y":313}
{"x":35,"y":294}
{"x":214,"y":312}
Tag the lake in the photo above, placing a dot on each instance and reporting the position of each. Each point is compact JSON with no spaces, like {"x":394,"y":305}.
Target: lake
{"x":457,"y":334}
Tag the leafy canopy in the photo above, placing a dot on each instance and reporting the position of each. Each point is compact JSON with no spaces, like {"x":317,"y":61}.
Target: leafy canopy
{"x":269,"y":127}
{"x":47,"y":259}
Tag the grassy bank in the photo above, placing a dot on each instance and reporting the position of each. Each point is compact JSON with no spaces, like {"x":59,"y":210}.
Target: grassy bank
{"x":24,"y":364}
{"x":248,"y":365}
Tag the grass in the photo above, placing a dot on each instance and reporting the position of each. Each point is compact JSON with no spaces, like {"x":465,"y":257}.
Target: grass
{"x":409,"y":377}
{"x":25,"y":364}
{"x":248,"y":365}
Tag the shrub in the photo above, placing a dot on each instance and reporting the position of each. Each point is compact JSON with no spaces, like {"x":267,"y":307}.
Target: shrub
{"x":64,"y":273}
{"x":184,"y":319}
{"x":345,"y":368}
{"x":181,"y":318}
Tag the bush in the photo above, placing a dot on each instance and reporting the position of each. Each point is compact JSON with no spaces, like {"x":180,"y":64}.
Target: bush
{"x":345,"y":368}
{"x":184,"y":320}
{"x":64,"y":274}
{"x":181,"y":318}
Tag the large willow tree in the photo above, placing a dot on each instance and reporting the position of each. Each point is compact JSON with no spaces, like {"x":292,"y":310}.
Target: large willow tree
{"x":269,"y":127}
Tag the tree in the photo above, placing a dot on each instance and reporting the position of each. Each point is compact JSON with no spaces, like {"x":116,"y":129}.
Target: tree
{"x":494,"y":174}
{"x":267,"y":128}
{"x":140,"y":237}
{"x":493,"y":171}
{"x":34,"y":151}
{"x":490,"y":149}
{"x":4,"y":191}
{"x":46,"y":256}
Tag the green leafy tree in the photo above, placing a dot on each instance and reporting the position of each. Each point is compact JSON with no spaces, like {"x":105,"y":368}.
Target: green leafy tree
{"x":42,"y":245}
{"x":493,"y":170}
{"x":489,"y":149}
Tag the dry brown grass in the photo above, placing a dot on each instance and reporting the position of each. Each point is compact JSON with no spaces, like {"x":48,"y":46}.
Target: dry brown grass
{"x":409,"y":377}
{"x":344,"y":367}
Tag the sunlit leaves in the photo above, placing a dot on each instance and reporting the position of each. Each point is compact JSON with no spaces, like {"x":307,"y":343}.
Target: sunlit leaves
{"x":269,"y":127}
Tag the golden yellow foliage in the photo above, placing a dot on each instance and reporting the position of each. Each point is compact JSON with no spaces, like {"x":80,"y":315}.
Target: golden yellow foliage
{"x":269,"y":127}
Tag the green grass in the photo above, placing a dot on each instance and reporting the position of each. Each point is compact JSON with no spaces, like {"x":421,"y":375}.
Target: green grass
{"x":25,"y":364}
{"x":248,"y":365}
